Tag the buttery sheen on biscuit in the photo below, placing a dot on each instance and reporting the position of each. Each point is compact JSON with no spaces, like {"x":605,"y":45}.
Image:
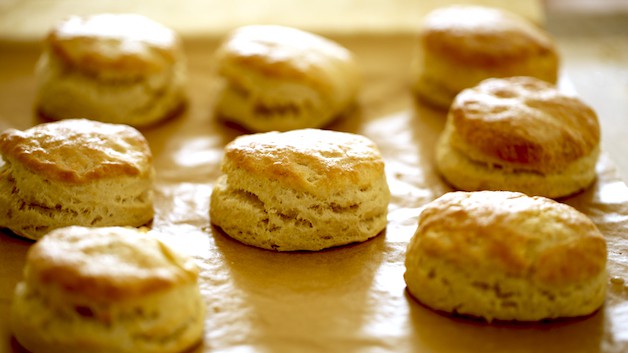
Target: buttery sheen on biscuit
{"x":282,"y":78}
{"x":74,"y":172}
{"x":301,"y":190}
{"x":115,"y":68}
{"x":519,"y":134}
{"x":106,"y":290}
{"x":459,"y":46}
{"x":506,"y":256}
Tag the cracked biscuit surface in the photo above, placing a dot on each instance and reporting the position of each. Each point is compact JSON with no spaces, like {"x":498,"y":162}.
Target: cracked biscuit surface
{"x":301,"y":190}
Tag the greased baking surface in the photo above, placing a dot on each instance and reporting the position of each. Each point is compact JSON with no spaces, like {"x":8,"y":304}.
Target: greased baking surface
{"x":345,"y":299}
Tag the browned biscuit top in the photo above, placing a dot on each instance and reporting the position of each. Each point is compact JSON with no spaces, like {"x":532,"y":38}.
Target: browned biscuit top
{"x":311,"y":160}
{"x":124,"y":43}
{"x":483,"y":36}
{"x":78,"y":151}
{"x":523,"y":121}
{"x":287,"y":53}
{"x":106,"y":264}
{"x":514,"y":234}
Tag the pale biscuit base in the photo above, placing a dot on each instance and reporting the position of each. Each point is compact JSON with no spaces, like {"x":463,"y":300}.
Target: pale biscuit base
{"x":267,"y":104}
{"x":33,"y":206}
{"x":484,"y":294}
{"x":159,"y":323}
{"x":439,"y":80}
{"x":466,"y":174}
{"x":64,"y":93}
{"x":266,"y":214}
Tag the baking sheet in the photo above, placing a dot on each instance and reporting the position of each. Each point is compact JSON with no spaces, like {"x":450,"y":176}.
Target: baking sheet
{"x":345,"y":299}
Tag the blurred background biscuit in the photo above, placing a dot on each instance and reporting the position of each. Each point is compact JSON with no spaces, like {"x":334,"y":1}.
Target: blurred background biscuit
{"x":282,"y":78}
{"x":461,"y":45}
{"x":115,"y":68}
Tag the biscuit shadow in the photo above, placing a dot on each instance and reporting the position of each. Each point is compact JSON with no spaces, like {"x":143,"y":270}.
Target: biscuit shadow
{"x":292,"y":300}
{"x":16,"y":347}
{"x":444,"y":332}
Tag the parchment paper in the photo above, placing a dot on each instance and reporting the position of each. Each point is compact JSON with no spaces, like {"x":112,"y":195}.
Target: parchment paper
{"x":345,"y":299}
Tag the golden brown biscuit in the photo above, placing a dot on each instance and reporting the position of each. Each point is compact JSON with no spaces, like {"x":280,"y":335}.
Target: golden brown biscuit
{"x":74,"y":172}
{"x":459,"y":46}
{"x":301,"y":190}
{"x":506,"y":256}
{"x":281,"y":78}
{"x":106,"y":290}
{"x":519,"y":134}
{"x":116,"y":68}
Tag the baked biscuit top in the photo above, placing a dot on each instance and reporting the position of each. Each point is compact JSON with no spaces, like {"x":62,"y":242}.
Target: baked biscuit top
{"x":111,"y":263}
{"x":123,"y":43}
{"x":311,"y":160}
{"x":512,"y":233}
{"x":483,"y":36}
{"x":78,"y":151}
{"x":523,"y":121}
{"x":287,"y":53}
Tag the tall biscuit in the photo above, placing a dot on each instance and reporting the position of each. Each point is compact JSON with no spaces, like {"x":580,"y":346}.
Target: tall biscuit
{"x":301,"y":190}
{"x":74,"y":172}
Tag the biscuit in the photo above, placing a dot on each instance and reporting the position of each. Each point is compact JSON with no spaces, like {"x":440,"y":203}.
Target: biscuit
{"x":108,"y":289}
{"x":459,"y":46}
{"x":74,"y":172}
{"x":519,"y":134}
{"x":281,"y":78}
{"x":115,"y":68}
{"x":503,"y":255}
{"x":304,"y":189}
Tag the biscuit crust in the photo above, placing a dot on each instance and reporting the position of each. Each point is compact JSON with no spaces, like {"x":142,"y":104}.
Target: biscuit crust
{"x":128,"y":44}
{"x":308,"y":160}
{"x":78,"y":151}
{"x":525,"y":123}
{"x":483,"y":36}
